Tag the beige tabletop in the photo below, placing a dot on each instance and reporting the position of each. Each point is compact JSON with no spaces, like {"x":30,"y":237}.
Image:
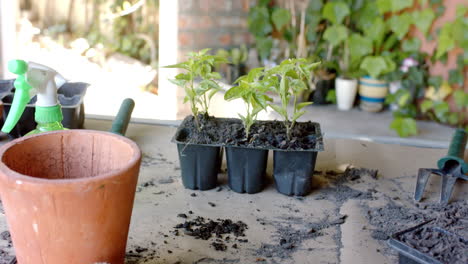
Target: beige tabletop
{"x":345,"y":217}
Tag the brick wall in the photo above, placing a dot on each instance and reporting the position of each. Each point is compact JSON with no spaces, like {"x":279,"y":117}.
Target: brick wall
{"x":212,"y":24}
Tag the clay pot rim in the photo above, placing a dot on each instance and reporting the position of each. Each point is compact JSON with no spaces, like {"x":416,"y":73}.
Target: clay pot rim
{"x":25,"y":180}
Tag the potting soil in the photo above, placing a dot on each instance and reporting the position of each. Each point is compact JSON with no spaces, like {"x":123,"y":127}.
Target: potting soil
{"x":264,"y":134}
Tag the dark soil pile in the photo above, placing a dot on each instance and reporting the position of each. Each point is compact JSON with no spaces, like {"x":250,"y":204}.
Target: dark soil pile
{"x":265,"y":134}
{"x":220,"y":229}
{"x":5,"y":257}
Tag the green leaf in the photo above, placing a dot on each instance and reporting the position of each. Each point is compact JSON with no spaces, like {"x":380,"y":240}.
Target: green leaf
{"x":423,"y":19}
{"x":297,"y":115}
{"x":302,"y":105}
{"x":278,"y":110}
{"x":374,"y":65}
{"x":359,"y":46}
{"x":335,"y":34}
{"x":456,"y":77}
{"x":335,"y":11}
{"x":384,"y":6}
{"x":234,"y":93}
{"x":376,"y":31}
{"x":264,"y":46}
{"x":259,"y":21}
{"x":452,"y":118}
{"x":446,"y":41}
{"x":461,"y":99}
{"x":426,"y":105}
{"x":461,"y":11}
{"x":182,"y":65}
{"x":331,"y":96}
{"x":280,"y":17}
{"x":400,"y":24}
{"x":441,"y":109}
{"x":404,"y":126}
{"x":398,"y":5}
{"x":411,"y":45}
{"x":435,"y":81}
{"x":180,"y":83}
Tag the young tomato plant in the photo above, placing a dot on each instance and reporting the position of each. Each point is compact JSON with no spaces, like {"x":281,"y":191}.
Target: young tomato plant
{"x":251,"y":89}
{"x":293,"y":77}
{"x":199,"y":81}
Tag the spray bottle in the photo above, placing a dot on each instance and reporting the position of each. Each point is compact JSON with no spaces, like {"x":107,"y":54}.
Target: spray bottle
{"x":35,"y":79}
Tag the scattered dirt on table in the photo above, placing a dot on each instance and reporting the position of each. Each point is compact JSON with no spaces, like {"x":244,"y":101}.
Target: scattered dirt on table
{"x":221,"y":231}
{"x":158,"y":159}
{"x":267,"y":134}
{"x":5,"y":257}
{"x":291,"y":234}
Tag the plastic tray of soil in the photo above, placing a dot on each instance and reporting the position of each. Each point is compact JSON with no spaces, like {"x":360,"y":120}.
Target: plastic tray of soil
{"x":247,"y":159}
{"x":70,"y":96}
{"x":429,"y":244}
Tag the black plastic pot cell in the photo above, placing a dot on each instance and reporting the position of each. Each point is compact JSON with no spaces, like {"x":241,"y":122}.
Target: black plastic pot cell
{"x":246,"y":169}
{"x":319,"y":95}
{"x":199,"y":166}
{"x":410,"y":255}
{"x":70,"y":97}
{"x":293,"y":170}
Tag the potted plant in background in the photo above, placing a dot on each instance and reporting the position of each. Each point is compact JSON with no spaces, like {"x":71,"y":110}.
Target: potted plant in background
{"x":354,"y":47}
{"x":246,"y":166}
{"x":237,"y":58}
{"x":200,"y":85}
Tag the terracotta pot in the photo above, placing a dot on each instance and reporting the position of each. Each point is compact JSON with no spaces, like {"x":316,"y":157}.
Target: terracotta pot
{"x":68,"y":196}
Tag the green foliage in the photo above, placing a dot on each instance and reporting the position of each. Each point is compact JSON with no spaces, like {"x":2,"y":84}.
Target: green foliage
{"x":331,"y":96}
{"x":400,"y":24}
{"x":376,"y":66}
{"x":453,"y":34}
{"x":335,"y":34}
{"x":336,"y":11}
{"x":288,"y":80}
{"x":423,"y":19}
{"x":280,"y":17}
{"x":235,"y":56}
{"x":411,"y":45}
{"x":385,"y":6}
{"x":259,"y":21}
{"x":251,"y":89}
{"x":264,"y":46}
{"x":199,"y":81}
{"x":404,"y":126}
{"x":359,"y":46}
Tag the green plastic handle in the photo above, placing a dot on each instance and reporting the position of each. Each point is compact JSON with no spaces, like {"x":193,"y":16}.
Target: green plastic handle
{"x":120,"y":124}
{"x":456,"y":151}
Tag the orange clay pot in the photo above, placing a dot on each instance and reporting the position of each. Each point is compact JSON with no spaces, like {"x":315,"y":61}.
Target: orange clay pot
{"x":68,"y":196}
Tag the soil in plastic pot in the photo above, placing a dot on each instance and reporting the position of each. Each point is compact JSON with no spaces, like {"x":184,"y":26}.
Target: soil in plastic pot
{"x":444,"y":239}
{"x":293,"y":170}
{"x":263,"y":134}
{"x":199,"y":166}
{"x":246,"y":169}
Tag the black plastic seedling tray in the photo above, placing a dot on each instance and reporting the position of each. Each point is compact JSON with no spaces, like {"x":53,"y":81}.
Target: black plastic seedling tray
{"x":70,"y":96}
{"x":410,"y":255}
{"x":246,"y":165}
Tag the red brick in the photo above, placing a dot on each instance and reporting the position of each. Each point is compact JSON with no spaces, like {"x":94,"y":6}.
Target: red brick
{"x":245,"y":5}
{"x":184,"y":21}
{"x":185,"y":39}
{"x":205,"y":22}
{"x":225,"y":39}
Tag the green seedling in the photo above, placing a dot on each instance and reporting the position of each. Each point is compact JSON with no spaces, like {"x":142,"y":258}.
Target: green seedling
{"x":251,"y":89}
{"x":199,"y":81}
{"x":288,"y":80}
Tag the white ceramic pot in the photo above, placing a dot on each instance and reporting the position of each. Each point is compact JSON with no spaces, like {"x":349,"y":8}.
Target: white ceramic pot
{"x":346,"y":90}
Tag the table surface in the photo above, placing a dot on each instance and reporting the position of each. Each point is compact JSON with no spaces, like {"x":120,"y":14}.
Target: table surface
{"x":271,"y":216}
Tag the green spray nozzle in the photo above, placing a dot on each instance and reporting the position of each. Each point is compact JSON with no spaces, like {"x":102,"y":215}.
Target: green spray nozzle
{"x":22,"y":96}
